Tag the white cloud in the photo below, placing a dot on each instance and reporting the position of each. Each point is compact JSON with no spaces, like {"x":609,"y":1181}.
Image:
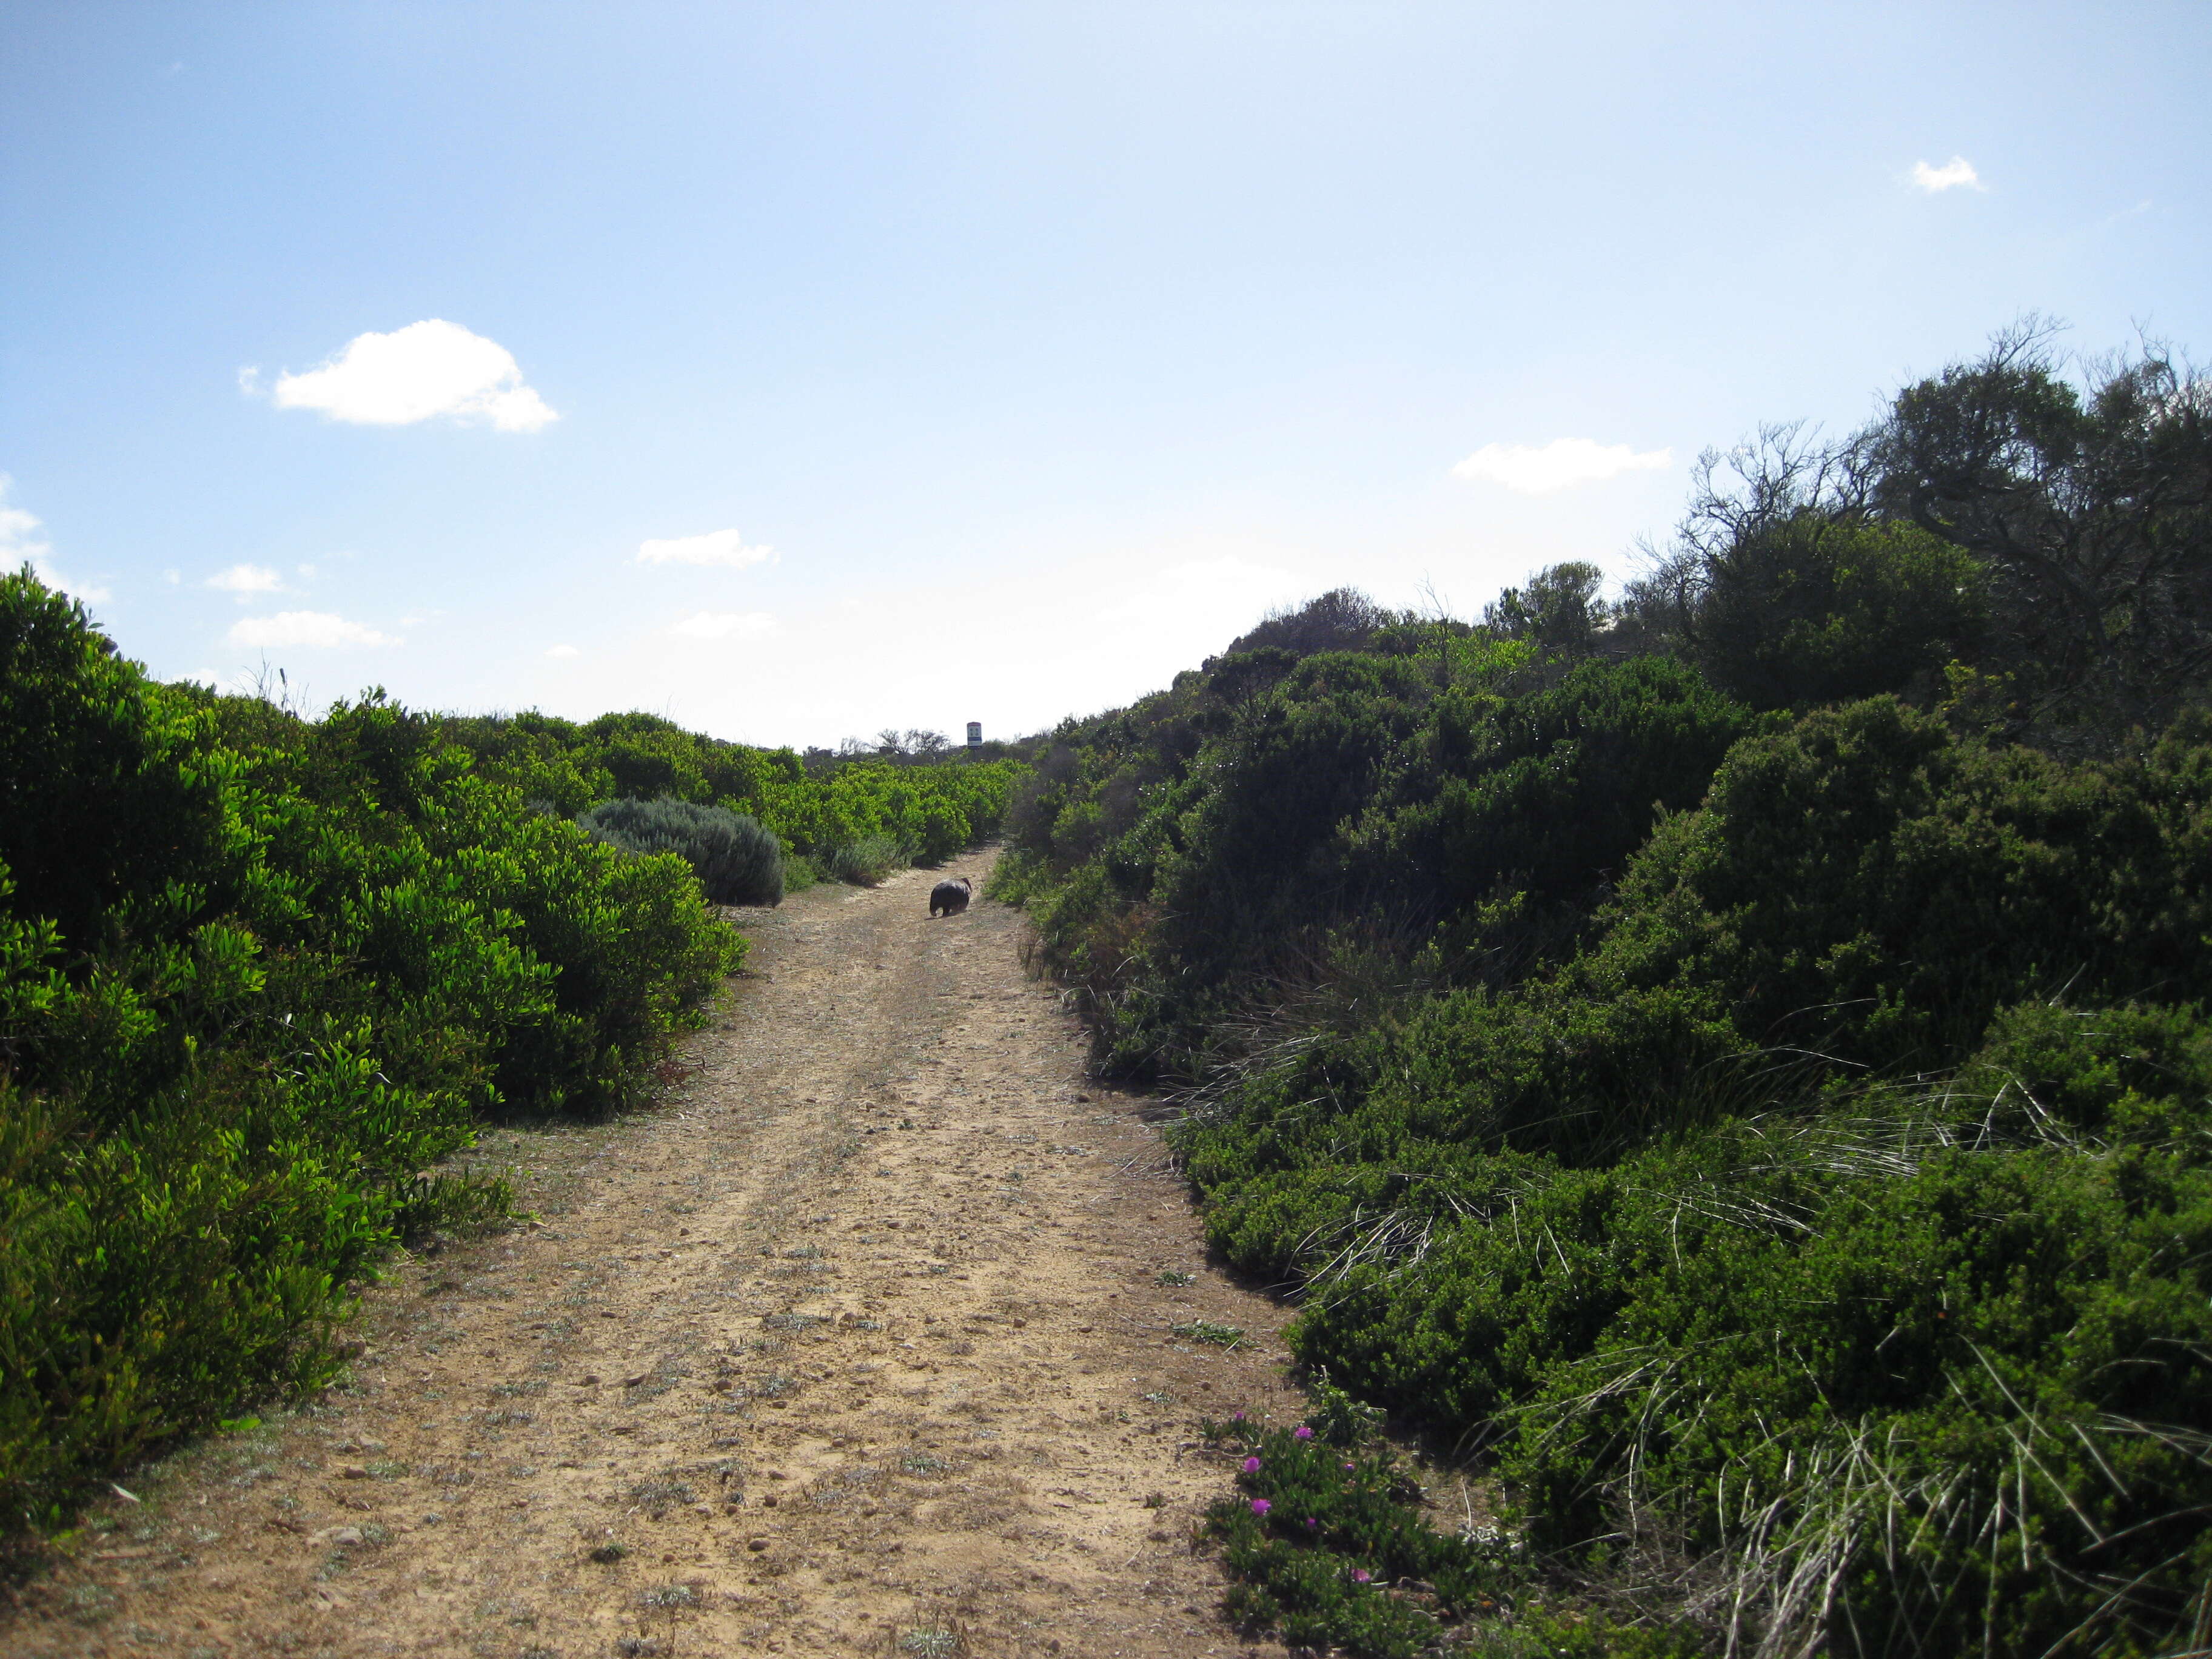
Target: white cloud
{"x":21,"y":545}
{"x":317,"y":628}
{"x":1559,"y":465}
{"x":423,"y":370}
{"x":564,"y":651}
{"x":715,"y":547}
{"x":244,"y":580}
{"x":722,"y":624}
{"x":18,"y":529}
{"x":1956,"y":173}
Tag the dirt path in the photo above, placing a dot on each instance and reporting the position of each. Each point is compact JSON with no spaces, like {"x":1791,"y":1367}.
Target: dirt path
{"x":858,"y":1344}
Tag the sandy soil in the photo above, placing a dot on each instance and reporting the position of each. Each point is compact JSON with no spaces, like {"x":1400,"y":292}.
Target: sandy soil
{"x":857,"y":1344}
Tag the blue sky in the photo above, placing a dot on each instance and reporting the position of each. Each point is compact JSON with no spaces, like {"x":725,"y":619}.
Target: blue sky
{"x":798,"y":371}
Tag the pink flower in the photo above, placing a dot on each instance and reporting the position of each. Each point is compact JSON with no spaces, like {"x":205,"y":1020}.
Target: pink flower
{"x":1302,"y":1432}
{"x":1312,"y":1525}
{"x":1251,"y":1466}
{"x":1237,"y":1417}
{"x":1360,"y":1575}
{"x":1347,"y":1468}
{"x":1261,"y":1506}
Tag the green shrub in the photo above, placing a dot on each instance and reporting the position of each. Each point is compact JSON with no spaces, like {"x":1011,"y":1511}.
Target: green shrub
{"x":867,"y":861}
{"x":736,"y":861}
{"x":1816,"y":609}
{"x":245,"y":1005}
{"x":1779,"y":1147}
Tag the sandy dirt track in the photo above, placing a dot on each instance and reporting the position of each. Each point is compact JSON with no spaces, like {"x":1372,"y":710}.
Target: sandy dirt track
{"x":857,"y":1344}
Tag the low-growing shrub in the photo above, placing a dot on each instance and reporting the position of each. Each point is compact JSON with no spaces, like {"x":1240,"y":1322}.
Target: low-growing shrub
{"x":866,"y":861}
{"x":1328,"y":1547}
{"x":736,"y":859}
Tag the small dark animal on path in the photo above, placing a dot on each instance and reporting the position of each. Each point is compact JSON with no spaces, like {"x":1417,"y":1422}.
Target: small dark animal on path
{"x":950,"y":897}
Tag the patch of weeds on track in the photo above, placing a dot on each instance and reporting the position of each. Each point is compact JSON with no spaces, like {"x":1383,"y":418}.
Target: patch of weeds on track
{"x":1175,"y":1276}
{"x":1206,"y":1330}
{"x":935,"y":1642}
{"x":90,"y":1604}
{"x":659,"y":1494}
{"x":859,"y":1481}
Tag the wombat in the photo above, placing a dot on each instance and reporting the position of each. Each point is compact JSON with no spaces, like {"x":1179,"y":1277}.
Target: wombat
{"x":950,"y":897}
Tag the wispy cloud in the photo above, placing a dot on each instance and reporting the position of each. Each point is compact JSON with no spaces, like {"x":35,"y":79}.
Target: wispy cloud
{"x":724,"y":547}
{"x":307,"y":627}
{"x":722,"y":624}
{"x":1559,"y":464}
{"x":417,"y":373}
{"x":20,"y":543}
{"x":563,"y":652}
{"x":244,"y":580}
{"x":1957,"y":173}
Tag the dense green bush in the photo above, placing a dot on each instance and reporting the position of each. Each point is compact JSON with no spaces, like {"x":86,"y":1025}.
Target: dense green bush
{"x":736,"y":861}
{"x":250,"y":991}
{"x":1785,"y":1231}
{"x":1811,"y":610}
{"x":1261,"y":835}
{"x":1768,"y":1125}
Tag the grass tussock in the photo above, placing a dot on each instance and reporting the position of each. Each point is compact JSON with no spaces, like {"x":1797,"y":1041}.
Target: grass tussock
{"x":866,"y":861}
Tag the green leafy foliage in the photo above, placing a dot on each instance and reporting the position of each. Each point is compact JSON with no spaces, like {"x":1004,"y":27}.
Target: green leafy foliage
{"x":257,"y":977}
